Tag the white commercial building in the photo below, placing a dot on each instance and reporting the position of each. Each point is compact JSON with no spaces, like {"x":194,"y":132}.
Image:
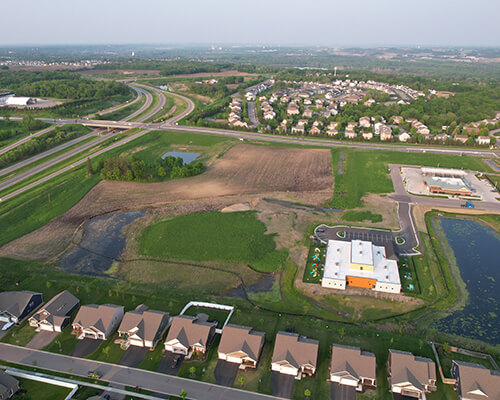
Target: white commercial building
{"x":360,"y":264}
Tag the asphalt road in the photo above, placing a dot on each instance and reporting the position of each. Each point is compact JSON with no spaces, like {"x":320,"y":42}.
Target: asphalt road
{"x":30,"y":160}
{"x":24,"y":140}
{"x":252,"y":113}
{"x":76,"y":163}
{"x":18,"y":178}
{"x":121,"y":375}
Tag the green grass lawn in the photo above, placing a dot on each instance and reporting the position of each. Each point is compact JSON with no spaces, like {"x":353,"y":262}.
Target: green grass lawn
{"x":204,"y":369}
{"x":354,"y":216}
{"x":40,"y":391}
{"x":367,"y":171}
{"x":446,"y":359}
{"x":313,"y":272}
{"x":213,"y":315}
{"x":108,"y":351}
{"x":19,"y":335}
{"x":228,"y":237}
{"x":125,"y":111}
{"x":408,"y":276}
{"x":64,"y":343}
{"x":153,"y":358}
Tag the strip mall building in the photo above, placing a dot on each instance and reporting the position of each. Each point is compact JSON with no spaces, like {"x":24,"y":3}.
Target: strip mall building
{"x":360,"y":264}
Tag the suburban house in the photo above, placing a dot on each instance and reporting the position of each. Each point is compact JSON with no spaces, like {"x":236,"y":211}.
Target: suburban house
{"x":240,"y":345}
{"x":292,"y":109}
{"x":15,"y":306}
{"x":190,"y":334}
{"x":8,"y":386}
{"x":351,"y":366}
{"x":365,"y":122}
{"x":483,"y":140}
{"x":461,"y":138}
{"x":368,"y":135}
{"x":410,"y":375}
{"x":143,"y":327}
{"x":385,"y":132}
{"x":298,"y":130}
{"x":361,"y":264}
{"x":404,"y":137}
{"x":397,"y":119}
{"x":55,"y":315}
{"x":294,"y":355}
{"x":97,"y":321}
{"x":475,"y":382}
{"x":315,"y":131}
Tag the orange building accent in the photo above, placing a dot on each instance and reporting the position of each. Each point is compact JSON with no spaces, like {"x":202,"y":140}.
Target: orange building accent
{"x":356,"y":281}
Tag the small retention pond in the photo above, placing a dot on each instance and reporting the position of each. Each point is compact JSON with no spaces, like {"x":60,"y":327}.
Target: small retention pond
{"x":477,"y":252}
{"x":186,"y":157}
{"x":102,"y":241}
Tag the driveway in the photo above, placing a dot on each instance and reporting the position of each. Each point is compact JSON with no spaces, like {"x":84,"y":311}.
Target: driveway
{"x":225,"y":373}
{"x":42,"y":339}
{"x":133,"y":356}
{"x":282,"y":385}
{"x":86,"y":347}
{"x":397,"y":396}
{"x":343,"y":392}
{"x":165,"y":366}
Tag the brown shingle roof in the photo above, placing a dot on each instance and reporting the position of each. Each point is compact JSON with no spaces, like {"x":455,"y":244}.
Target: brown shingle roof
{"x":241,"y":339}
{"x":99,"y":317}
{"x":405,"y":367}
{"x":477,"y":382}
{"x":296,"y":350}
{"x":60,"y":305}
{"x":189,"y":330}
{"x":359,"y":364}
{"x":143,"y":322}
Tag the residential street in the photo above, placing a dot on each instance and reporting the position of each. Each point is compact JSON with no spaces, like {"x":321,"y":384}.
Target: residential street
{"x":121,"y":375}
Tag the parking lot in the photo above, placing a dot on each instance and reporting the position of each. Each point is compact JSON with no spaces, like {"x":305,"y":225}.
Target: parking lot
{"x":378,"y":238}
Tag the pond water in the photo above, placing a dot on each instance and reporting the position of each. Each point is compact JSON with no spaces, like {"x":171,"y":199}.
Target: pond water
{"x":102,"y":242}
{"x":477,"y":250}
{"x":186,"y":157}
{"x":264,"y":284}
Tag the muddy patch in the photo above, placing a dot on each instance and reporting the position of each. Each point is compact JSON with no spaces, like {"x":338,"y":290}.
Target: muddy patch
{"x":102,"y":242}
{"x":261,"y":286}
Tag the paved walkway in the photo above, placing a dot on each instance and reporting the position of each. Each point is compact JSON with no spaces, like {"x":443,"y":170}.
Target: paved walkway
{"x":121,"y":375}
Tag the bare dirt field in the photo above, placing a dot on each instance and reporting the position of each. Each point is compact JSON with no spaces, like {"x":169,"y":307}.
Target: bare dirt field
{"x":243,"y":170}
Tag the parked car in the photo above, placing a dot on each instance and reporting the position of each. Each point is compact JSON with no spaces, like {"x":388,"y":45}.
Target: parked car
{"x":94,"y":375}
{"x":175,"y":361}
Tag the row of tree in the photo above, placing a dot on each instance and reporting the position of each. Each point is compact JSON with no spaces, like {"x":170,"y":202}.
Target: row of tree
{"x":10,"y":129}
{"x":41,"y":143}
{"x":133,"y":169}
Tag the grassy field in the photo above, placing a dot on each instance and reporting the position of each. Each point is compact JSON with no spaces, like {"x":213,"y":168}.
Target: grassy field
{"x":354,"y":216}
{"x":40,"y":391}
{"x":12,"y":131}
{"x":21,"y":335}
{"x":213,"y":237}
{"x":367,"y":171}
{"x":64,"y":343}
{"x":125,"y":111}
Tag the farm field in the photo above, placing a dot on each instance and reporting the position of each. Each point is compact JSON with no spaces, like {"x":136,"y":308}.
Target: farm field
{"x":235,"y":173}
{"x":228,"y":237}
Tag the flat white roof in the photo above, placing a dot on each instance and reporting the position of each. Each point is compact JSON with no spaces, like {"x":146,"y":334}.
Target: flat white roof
{"x":338,"y":263}
{"x":361,"y":252}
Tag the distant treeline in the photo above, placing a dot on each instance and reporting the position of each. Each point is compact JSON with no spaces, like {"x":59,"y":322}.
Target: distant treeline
{"x":42,"y":143}
{"x":59,"y":84}
{"x":133,"y":169}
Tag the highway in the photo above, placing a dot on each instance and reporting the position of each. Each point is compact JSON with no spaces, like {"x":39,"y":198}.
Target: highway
{"x":126,"y":376}
{"x":39,"y":168}
{"x":39,"y":156}
{"x":25,"y":139}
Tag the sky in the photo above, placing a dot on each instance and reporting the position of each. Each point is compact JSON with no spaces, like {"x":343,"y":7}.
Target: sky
{"x":276,"y":22}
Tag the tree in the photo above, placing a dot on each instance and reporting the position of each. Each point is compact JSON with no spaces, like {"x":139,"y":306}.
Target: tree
{"x":90,"y":170}
{"x":242,"y":380}
{"x":183,"y":394}
{"x":192,"y":371}
{"x":307,"y":393}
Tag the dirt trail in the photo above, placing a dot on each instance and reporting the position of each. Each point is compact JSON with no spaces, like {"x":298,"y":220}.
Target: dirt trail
{"x":242,"y":170}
